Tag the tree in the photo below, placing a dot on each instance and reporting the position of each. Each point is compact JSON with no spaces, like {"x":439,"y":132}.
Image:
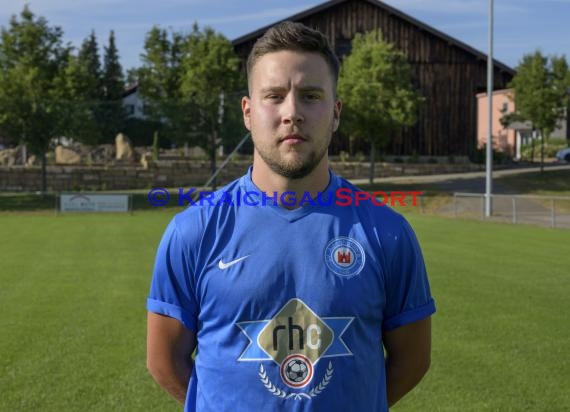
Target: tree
{"x":159,"y":80}
{"x":73,"y":97}
{"x":89,"y":84}
{"x":33,"y":61}
{"x":89,"y":57}
{"x":190,"y":85}
{"x":210,"y":80}
{"x":113,"y":116}
{"x":541,"y":92}
{"x":375,"y":87}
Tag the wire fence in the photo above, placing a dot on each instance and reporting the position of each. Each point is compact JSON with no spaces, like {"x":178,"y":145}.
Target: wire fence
{"x":553,"y":211}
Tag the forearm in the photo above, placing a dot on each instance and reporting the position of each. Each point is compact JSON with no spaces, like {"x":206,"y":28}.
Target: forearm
{"x":401,"y":379}
{"x":174,"y":378}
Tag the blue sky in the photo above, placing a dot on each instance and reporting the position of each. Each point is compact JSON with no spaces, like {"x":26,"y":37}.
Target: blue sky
{"x":521,"y":26}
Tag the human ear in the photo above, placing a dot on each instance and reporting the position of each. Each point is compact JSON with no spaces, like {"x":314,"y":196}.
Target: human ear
{"x":246,"y":111}
{"x":336,"y":114}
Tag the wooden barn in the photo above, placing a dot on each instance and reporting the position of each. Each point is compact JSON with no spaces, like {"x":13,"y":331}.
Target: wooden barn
{"x":448,"y":73}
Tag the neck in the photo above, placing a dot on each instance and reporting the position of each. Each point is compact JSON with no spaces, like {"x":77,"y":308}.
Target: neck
{"x":270,"y":182}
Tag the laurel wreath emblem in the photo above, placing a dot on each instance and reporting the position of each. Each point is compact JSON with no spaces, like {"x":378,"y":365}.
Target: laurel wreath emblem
{"x":270,"y":386}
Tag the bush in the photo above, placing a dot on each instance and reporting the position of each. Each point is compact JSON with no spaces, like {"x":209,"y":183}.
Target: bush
{"x":141,"y":132}
{"x":414,"y":158}
{"x":550,"y":149}
{"x":480,"y":157}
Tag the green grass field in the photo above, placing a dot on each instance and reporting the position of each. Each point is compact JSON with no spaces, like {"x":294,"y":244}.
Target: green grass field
{"x":73,"y":290}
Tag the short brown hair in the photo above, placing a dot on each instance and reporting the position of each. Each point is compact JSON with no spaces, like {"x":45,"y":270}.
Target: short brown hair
{"x":296,"y":37}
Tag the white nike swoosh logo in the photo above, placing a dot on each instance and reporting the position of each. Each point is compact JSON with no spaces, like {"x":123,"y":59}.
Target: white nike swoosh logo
{"x":223,"y":265}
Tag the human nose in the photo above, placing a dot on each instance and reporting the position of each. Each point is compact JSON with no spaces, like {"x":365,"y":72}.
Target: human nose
{"x":291,"y":112}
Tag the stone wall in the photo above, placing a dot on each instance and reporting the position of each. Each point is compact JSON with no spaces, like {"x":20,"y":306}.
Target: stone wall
{"x":179,"y":173}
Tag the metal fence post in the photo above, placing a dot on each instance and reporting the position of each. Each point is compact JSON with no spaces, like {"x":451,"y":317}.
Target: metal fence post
{"x":455,"y":205}
{"x":482,"y":207}
{"x":553,"y":215}
{"x":514,"y":210}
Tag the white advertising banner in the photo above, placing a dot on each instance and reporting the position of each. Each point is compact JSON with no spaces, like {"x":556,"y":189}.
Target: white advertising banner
{"x":88,"y":202}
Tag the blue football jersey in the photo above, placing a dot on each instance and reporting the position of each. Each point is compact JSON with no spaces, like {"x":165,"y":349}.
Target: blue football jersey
{"x":289,"y":306}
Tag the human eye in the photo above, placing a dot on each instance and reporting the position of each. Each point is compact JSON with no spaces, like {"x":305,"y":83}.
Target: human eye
{"x":274,"y":97}
{"x":312,"y":96}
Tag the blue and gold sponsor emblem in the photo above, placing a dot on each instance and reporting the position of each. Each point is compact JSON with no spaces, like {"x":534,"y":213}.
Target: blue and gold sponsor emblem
{"x":345,"y":257}
{"x":295,"y":339}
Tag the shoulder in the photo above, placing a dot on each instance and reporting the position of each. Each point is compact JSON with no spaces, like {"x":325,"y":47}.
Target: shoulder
{"x":377,"y":211}
{"x":207,"y":208}
{"x":390,"y":228}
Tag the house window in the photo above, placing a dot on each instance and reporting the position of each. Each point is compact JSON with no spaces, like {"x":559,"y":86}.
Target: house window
{"x":130,"y":109}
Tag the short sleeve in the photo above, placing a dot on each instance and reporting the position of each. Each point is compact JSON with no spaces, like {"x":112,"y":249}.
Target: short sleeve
{"x":408,"y":296}
{"x":172,"y":291}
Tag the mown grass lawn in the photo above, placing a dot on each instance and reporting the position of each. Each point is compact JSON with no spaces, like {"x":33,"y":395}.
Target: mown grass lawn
{"x":72,"y":320}
{"x":549,"y":183}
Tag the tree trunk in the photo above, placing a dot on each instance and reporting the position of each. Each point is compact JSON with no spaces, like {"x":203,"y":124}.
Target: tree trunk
{"x":541,"y":150}
{"x":372,"y":161}
{"x":44,"y":173}
{"x":214,"y":139}
{"x":155,"y":146}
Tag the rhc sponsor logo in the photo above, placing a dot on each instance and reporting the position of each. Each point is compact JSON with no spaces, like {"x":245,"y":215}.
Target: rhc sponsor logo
{"x":296,"y":339}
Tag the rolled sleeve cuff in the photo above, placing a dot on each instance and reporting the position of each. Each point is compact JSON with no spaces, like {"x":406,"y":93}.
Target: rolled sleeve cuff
{"x":173,"y":311}
{"x":409,"y":316}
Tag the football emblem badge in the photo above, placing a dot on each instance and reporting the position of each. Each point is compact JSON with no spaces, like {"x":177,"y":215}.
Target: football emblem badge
{"x":345,"y":257}
{"x":296,"y":371}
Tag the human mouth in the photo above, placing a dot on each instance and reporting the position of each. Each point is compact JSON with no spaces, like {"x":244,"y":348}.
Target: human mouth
{"x":293,"y":139}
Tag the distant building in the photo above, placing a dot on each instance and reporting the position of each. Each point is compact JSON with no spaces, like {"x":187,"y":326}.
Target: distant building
{"x":509,"y":139}
{"x":133,"y":103}
{"x":447,"y":72}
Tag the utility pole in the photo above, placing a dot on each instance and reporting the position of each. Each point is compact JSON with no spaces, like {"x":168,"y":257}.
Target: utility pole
{"x":489,"y":165}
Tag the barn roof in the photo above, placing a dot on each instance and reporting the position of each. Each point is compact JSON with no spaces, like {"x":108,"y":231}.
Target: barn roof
{"x":389,"y":9}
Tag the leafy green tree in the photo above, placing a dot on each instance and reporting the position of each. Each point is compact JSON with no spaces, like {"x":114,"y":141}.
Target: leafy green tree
{"x":159,"y":80}
{"x":210,"y":80}
{"x":376,"y":90}
{"x":72,"y":97}
{"x":113,"y":116}
{"x":190,"y":85}
{"x":132,"y":77}
{"x":541,"y":93}
{"x":33,"y":60}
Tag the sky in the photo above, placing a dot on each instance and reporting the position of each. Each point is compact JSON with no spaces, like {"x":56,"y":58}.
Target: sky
{"x":521,"y":26}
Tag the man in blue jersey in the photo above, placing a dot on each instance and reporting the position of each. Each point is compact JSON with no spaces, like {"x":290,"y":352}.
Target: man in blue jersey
{"x":314,"y":307}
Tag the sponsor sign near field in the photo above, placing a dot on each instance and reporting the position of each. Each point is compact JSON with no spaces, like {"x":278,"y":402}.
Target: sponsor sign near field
{"x":88,"y":202}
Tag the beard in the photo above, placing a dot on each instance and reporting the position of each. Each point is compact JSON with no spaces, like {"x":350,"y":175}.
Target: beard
{"x":293,"y":169}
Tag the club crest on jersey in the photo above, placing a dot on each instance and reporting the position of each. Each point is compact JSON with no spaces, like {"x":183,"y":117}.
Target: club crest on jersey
{"x":345,"y":257}
{"x":295,"y":339}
